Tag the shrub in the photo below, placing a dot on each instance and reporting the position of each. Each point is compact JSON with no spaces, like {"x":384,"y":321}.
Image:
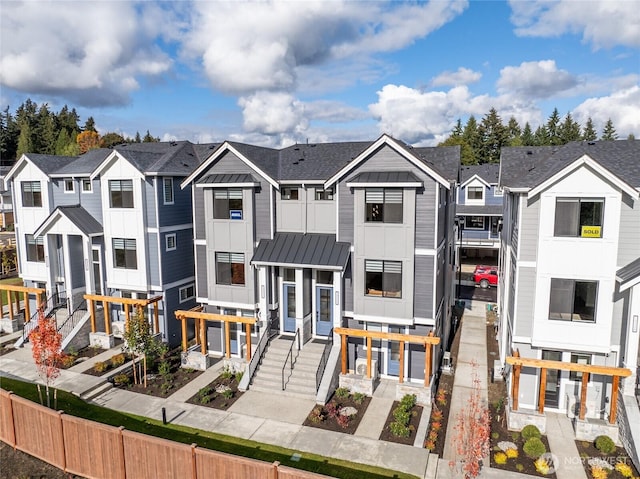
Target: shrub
{"x":117,"y":360}
{"x":342,"y":393}
{"x":121,"y":380}
{"x":227,"y":394}
{"x":332,"y":409}
{"x":511,"y":453}
{"x":358,"y":398}
{"x":515,"y":436}
{"x":441,"y":397}
{"x":500,"y":458}
{"x":204,"y":399}
{"x":605,"y":445}
{"x":598,"y":472}
{"x":429,"y":444}
{"x":542,"y":466}
{"x":343,"y":421}
{"x":519,"y":467}
{"x":68,"y":360}
{"x":226,"y":374}
{"x":624,"y":469}
{"x":436,"y":425}
{"x":495,"y":435}
{"x":316,"y":415}
{"x":436,"y":414}
{"x":401,"y":415}
{"x":534,"y":448}
{"x":530,"y":431}
{"x":408,"y":401}
{"x":239,"y":375}
{"x":399,"y":429}
{"x":164,"y":369}
{"x":166,"y":387}
{"x":100,"y":366}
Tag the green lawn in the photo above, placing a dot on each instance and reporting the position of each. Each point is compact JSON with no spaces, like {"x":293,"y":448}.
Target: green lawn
{"x":74,"y":406}
{"x":14,"y":281}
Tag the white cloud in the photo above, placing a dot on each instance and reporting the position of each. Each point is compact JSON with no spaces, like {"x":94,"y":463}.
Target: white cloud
{"x":462,"y":76}
{"x":603,"y":23}
{"x":272,"y":113}
{"x":535,"y":80}
{"x":623,"y":107}
{"x":93,"y":53}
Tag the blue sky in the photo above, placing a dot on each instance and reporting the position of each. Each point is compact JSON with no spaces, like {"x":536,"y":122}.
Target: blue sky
{"x":273,"y":73}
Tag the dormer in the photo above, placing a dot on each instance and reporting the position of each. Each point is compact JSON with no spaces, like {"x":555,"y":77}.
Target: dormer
{"x":475,"y":191}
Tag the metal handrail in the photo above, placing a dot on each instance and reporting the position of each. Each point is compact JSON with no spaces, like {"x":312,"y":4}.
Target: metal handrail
{"x":53,"y":302}
{"x":256,"y":358}
{"x":323,"y":359}
{"x":73,"y":319}
{"x":290,"y":356}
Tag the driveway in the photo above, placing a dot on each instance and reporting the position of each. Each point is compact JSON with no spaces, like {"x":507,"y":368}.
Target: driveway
{"x":490,"y":295}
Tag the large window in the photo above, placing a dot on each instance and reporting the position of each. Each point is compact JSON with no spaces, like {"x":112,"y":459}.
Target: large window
{"x":124,"y":253}
{"x":35,"y":248}
{"x":475,"y":192}
{"x":230,"y":268}
{"x":383,"y":205}
{"x":573,"y":300}
{"x":383,"y":278}
{"x":121,"y":193}
{"x":324,"y":195}
{"x":167,"y":185}
{"x":579,"y":217}
{"x":578,"y":359}
{"x":289,"y":193}
{"x":474,"y":222}
{"x":31,"y":194}
{"x":227,"y":204}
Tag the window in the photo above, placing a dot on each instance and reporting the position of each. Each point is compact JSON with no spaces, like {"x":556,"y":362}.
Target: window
{"x":121,"y":193}
{"x":383,"y":205}
{"x":578,"y":359}
{"x":227,"y":204}
{"x":187,"y":293}
{"x":167,"y":184}
{"x":170,"y":242}
{"x":475,"y":192}
{"x":35,"y":248}
{"x":383,"y":278}
{"x":31,"y":194}
{"x":289,"y":274}
{"x":87,"y":187}
{"x":324,"y":195}
{"x":324,"y":277}
{"x":474,"y":222}
{"x":289,"y":193}
{"x":68,"y":185}
{"x":573,"y":300}
{"x":579,"y":217}
{"x":230,"y":268}
{"x":124,"y":253}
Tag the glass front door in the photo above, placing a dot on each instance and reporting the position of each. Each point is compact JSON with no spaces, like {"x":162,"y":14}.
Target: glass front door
{"x":289,"y":299}
{"x":324,"y":310}
{"x":552,"y":389}
{"x":97,"y":275}
{"x":393,"y":355}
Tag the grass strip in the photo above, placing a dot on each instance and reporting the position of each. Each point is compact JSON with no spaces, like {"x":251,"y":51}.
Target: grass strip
{"x":75,"y":406}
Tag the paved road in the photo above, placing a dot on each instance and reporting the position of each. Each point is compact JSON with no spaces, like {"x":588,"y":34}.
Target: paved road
{"x":490,"y":295}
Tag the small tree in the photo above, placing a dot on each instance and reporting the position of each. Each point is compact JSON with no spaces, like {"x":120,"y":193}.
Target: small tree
{"x":472,"y":430}
{"x":46,"y":343}
{"x":139,"y":342}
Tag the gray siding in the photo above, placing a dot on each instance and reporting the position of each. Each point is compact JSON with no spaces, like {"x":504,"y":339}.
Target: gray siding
{"x":152,"y":263}
{"x":529,"y":229}
{"x":440,"y":277}
{"x":76,"y":255}
{"x":423,"y":295}
{"x":199,"y":213}
{"x":290,"y":214}
{"x":442,"y":214}
{"x":629,"y":237}
{"x":514,"y":203}
{"x":347,"y":288}
{"x":180,"y":212}
{"x":60,"y":198}
{"x":620,"y":318}
{"x":321,"y":214}
{"x":149,"y":196}
{"x":261,"y":206}
{"x":345,"y":213}
{"x":179,"y":263}
{"x":92,"y":202}
{"x":171,"y":303}
{"x":425,"y":214}
{"x":512,"y":289}
{"x":201,"y":278}
{"x":526,"y":299}
{"x":416,"y":352}
{"x":491,"y":198}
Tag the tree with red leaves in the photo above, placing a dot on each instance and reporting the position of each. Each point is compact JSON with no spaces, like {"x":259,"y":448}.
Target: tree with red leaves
{"x":472,"y":430}
{"x":46,"y":344}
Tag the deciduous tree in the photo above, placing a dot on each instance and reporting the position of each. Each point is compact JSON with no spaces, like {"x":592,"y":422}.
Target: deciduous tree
{"x":88,"y":140}
{"x":46,"y":344}
{"x":139,"y":342}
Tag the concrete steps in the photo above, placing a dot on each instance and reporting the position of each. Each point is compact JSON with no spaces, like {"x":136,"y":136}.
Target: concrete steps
{"x":299,"y":381}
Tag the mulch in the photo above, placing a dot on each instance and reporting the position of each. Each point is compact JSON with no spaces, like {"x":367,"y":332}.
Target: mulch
{"x":208,"y":397}
{"x":587,"y":450}
{"x":6,"y":349}
{"x":329,"y":422}
{"x":414,"y":422}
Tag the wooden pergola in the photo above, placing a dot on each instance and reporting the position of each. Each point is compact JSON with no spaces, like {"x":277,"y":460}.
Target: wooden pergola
{"x":428,"y":342}
{"x":13,"y":296}
{"x":586,"y":369}
{"x":200,"y":328}
{"x":92,"y":299}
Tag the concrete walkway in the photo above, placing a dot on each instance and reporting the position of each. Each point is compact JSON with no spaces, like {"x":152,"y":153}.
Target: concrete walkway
{"x":562,"y":444}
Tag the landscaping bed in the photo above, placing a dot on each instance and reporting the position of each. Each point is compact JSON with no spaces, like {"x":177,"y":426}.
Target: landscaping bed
{"x":6,"y":348}
{"x":342,"y":413}
{"x":402,"y":421}
{"x":610,"y":461}
{"x":72,"y":358}
{"x":219,"y":394}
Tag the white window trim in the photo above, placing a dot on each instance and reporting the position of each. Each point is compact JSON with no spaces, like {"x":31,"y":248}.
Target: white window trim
{"x":482,"y":189}
{"x":184,"y":288}
{"x":473,"y":228}
{"x":166,"y":242}
{"x":164,"y":191}
{"x":90,"y":190}
{"x":64,"y":186}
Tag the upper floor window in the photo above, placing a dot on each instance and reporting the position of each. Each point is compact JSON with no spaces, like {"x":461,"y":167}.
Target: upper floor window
{"x":35,"y":248}
{"x":87,"y":187}
{"x":579,"y":217}
{"x":167,"y":186}
{"x":383,"y":278}
{"x":124,"y":253}
{"x":383,"y":205}
{"x":170,"y":242}
{"x":187,"y":293}
{"x":289,"y":193}
{"x":288,"y":274}
{"x":230,"y":268}
{"x":31,"y":194}
{"x":68,"y":185}
{"x":227,"y":204}
{"x":121,"y":193}
{"x":475,"y":192}
{"x":573,"y":300}
{"x":324,"y":195}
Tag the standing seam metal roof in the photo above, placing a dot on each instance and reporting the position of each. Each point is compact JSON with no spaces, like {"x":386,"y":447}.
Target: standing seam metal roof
{"x":310,"y":249}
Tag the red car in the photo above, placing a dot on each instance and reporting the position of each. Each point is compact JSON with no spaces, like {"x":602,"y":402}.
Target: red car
{"x":485,"y":276}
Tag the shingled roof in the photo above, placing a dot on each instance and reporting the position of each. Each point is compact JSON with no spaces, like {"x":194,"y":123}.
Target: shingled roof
{"x":489,"y":172}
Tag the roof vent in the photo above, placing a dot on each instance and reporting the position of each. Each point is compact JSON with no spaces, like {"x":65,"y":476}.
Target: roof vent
{"x":591,"y":143}
{"x":211,"y":147}
{"x":295,"y":162}
{"x":529,"y":152}
{"x":173,"y":143}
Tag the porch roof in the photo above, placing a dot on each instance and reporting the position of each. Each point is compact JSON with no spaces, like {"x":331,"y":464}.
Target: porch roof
{"x":307,"y":250}
{"x":86,"y":224}
{"x":629,"y":275}
{"x":479,"y":210}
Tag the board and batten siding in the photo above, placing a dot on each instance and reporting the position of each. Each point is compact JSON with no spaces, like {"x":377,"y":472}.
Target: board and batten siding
{"x":529,"y":229}
{"x":423,"y":294}
{"x":149,"y":198}
{"x":262,"y":209}
{"x":345,"y":212}
{"x":526,"y":300}
{"x":199,"y":213}
{"x":180,"y":212}
{"x":425,"y":213}
{"x":201,"y":271}
{"x":347,"y":286}
{"x":629,"y":236}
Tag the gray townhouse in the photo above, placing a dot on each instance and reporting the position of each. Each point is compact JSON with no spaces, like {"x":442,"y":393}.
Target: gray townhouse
{"x":111,"y":222}
{"x":314,"y":237}
{"x":569,"y":288}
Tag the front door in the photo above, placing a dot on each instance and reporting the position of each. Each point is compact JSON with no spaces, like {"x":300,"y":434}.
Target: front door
{"x":324,"y":310}
{"x":97,"y":275}
{"x":552,"y":389}
{"x":289,"y":300}
{"x":393,"y":354}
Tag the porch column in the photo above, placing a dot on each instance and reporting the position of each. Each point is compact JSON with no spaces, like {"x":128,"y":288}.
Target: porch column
{"x":263,"y":297}
{"x":156,"y":318}
{"x":614,"y":399}
{"x":10,"y":304}
{"x":227,"y":340}
{"x":16,"y":298}
{"x":89,"y":286}
{"x":543,"y":387}
{"x":368,"y":357}
{"x":515,"y":386}
{"x":428,"y":347}
{"x":107,"y":317}
{"x":126,"y":316}
{"x":92,"y":310}
{"x":343,"y":351}
{"x":26,"y":320}
{"x":401,"y":372}
{"x":67,"y":271}
{"x":248,"y":334}
{"x":27,"y":307}
{"x":337,"y":299}
{"x":583,"y":394}
{"x":184,"y":333}
{"x":203,"y":337}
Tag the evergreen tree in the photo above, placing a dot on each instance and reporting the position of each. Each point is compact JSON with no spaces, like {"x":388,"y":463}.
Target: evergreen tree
{"x":631,"y":137}
{"x":541,"y":136}
{"x":515,"y":133}
{"x":62,"y":142}
{"x":609,"y":132}
{"x":46,"y":131}
{"x":493,"y":135}
{"x":471,"y":137}
{"x":90,"y":125}
{"x":109,"y":140}
{"x":553,"y":129}
{"x":149,"y":139}
{"x":527,"y":137}
{"x":25,"y":142}
{"x":457,"y":130}
{"x":569,"y":130}
{"x":137,"y":139}
{"x":589,"y":131}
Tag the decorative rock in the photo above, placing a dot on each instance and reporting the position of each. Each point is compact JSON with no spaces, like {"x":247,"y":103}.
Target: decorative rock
{"x":222,"y":388}
{"x":348,"y":411}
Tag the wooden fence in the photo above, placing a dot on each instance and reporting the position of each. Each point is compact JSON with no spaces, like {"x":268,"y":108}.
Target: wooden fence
{"x":95,"y":450}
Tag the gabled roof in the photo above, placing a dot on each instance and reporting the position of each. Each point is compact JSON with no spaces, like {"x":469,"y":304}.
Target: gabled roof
{"x":487,"y":172}
{"x":87,"y":225}
{"x":525,"y":167}
{"x":45,"y":163}
{"x":303,"y":250}
{"x":83,"y":165}
{"x":629,"y":275}
{"x":317,"y":161}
